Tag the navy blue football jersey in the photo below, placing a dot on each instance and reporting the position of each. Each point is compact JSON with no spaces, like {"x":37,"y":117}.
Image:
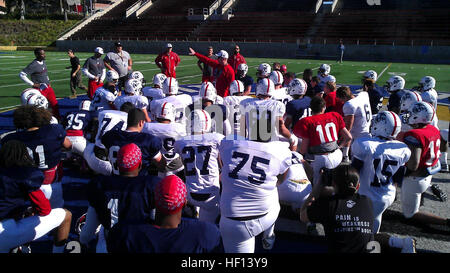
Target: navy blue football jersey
{"x":394,"y":100}
{"x":117,"y":198}
{"x":298,"y":109}
{"x":44,"y":144}
{"x":376,"y":99}
{"x":191,"y":236}
{"x":76,"y":121}
{"x":15,"y":185}
{"x":150,"y":146}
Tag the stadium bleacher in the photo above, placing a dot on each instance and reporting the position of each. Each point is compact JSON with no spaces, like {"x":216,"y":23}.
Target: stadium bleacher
{"x":280,"y":21}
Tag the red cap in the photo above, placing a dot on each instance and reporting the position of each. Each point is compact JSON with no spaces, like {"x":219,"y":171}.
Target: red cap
{"x":283,"y":68}
{"x":129,"y":157}
{"x":170,"y":194}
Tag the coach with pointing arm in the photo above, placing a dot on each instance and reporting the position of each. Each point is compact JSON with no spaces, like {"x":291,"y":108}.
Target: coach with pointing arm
{"x":226,"y":75}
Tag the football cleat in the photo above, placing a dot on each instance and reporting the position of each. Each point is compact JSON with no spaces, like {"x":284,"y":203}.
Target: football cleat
{"x":267,"y":243}
{"x":437,"y":191}
{"x":80,"y":223}
{"x":409,"y":245}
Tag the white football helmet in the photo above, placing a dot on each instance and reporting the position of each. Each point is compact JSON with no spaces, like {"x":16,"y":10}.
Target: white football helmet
{"x":133,"y":87}
{"x":395,"y":83}
{"x":297,"y":87}
{"x":85,"y":105}
{"x":170,"y":86}
{"x":276,"y":77}
{"x":421,"y":112}
{"x":427,"y":83}
{"x":138,"y":76}
{"x":158,"y":79}
{"x":111,"y":76}
{"x":38,"y":100}
{"x":265,"y":87}
{"x":370,"y":74}
{"x":244,"y":68}
{"x":166,"y":110}
{"x":208,"y":91}
{"x":27,"y":93}
{"x":408,"y":99}
{"x":236,"y":87}
{"x":386,"y":124}
{"x":200,"y":121}
{"x":324,"y":69}
{"x":264,"y":70}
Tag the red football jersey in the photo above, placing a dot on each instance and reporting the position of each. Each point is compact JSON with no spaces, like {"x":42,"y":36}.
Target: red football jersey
{"x":430,"y":140}
{"x":320,"y":129}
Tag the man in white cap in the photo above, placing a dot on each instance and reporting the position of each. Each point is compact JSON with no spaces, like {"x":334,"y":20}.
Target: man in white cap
{"x":95,"y":70}
{"x":227,"y":74}
{"x":168,"y":61}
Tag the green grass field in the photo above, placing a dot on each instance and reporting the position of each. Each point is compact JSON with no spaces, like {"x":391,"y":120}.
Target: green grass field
{"x":11,"y":63}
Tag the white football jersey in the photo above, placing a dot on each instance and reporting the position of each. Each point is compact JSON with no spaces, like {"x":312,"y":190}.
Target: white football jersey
{"x":296,"y":187}
{"x":272,"y":109}
{"x":169,"y":133}
{"x":107,"y":120}
{"x":179,"y":101}
{"x":200,"y":157}
{"x":360,"y":108}
{"x":324,"y":80}
{"x":138,"y":101}
{"x":101,"y":99}
{"x":381,"y":160}
{"x":234,"y":115}
{"x":249,"y":175}
{"x":430,"y":96}
{"x":219,"y":99}
{"x":153,"y":93}
{"x":281,"y":95}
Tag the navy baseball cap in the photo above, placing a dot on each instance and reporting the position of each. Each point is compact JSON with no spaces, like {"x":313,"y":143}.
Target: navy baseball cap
{"x":117,"y":44}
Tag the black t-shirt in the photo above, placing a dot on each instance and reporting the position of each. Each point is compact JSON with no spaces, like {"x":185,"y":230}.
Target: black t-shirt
{"x":74,"y":62}
{"x":348,"y":222}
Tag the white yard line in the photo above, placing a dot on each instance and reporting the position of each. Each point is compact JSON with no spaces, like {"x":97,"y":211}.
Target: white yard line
{"x":386,"y":68}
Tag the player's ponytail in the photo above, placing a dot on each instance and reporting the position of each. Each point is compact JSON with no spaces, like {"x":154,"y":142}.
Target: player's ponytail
{"x":346,"y":179}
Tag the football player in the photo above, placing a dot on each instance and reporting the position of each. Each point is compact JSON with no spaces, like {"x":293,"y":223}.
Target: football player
{"x":298,"y":107}
{"x":242,"y":76}
{"x":263,"y":72}
{"x":357,"y":112}
{"x":104,"y":96}
{"x":380,"y":160}
{"x":210,"y":102}
{"x":137,"y":75}
{"x":265,"y":115}
{"x":296,"y":186}
{"x":150,"y":145}
{"x":200,"y":155}
{"x":96,"y":154}
{"x":44,"y":143}
{"x":77,"y":125}
{"x":133,"y":94}
{"x":424,"y":141}
{"x":155,"y":92}
{"x":168,"y":131}
{"x":332,"y":103}
{"x":323,"y":134}
{"x":180,"y":101}
{"x":119,"y":197}
{"x":323,"y":75}
{"x":21,"y":225}
{"x":426,"y":88}
{"x":249,"y":203}
{"x":232,"y":102}
{"x":395,"y":86}
{"x":280,"y":93}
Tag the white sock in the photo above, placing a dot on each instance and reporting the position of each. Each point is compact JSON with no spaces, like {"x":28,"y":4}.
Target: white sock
{"x":395,"y":242}
{"x":345,"y":151}
{"x":443,"y":158}
{"x":59,"y":249}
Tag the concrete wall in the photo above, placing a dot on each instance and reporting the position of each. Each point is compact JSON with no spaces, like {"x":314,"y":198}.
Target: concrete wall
{"x":416,"y":54}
